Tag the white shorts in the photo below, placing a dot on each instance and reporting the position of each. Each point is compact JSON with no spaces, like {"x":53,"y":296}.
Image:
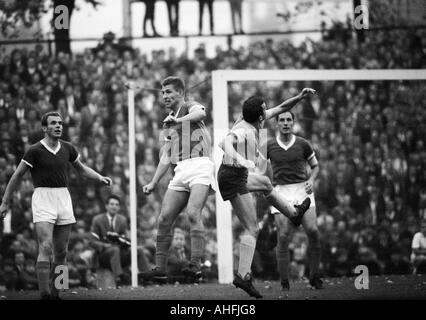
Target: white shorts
{"x":52,"y":205}
{"x":193,"y":171}
{"x":293,"y":193}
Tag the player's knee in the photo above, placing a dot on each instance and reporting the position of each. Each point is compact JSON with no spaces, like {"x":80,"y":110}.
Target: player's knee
{"x":193,"y":216}
{"x":45,"y":248}
{"x":164,"y":222}
{"x":266,"y":183}
{"x":253,"y":231}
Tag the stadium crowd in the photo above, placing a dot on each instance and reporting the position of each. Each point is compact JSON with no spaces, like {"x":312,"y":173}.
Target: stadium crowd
{"x":369,"y":137}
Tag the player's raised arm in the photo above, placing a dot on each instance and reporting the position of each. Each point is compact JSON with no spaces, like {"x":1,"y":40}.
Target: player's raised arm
{"x":196,"y":113}
{"x":11,"y":186}
{"x":288,"y":104}
{"x":87,"y":172}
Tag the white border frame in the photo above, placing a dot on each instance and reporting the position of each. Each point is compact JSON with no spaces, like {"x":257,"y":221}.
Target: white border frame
{"x":220,"y":79}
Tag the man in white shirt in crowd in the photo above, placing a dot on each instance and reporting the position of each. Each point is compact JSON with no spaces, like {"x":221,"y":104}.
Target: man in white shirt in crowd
{"x":418,"y":246}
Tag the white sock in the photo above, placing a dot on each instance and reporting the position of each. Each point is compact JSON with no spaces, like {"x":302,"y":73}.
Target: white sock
{"x":247,"y":247}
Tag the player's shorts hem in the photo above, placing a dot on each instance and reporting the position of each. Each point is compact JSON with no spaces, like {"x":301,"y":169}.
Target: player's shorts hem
{"x":63,"y":223}
{"x":204,"y":182}
{"x":229,"y":197}
{"x":177,"y":188}
{"x":53,"y":221}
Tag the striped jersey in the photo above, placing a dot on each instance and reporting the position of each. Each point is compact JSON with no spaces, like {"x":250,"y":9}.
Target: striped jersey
{"x":246,"y":142}
{"x":188,"y":139}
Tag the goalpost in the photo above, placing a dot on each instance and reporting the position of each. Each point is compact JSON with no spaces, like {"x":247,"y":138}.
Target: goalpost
{"x":220,"y":79}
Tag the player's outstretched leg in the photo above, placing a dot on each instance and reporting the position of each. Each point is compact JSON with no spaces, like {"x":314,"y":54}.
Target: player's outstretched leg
{"x":256,"y":182}
{"x":300,"y":211}
{"x":173,"y":203}
{"x":282,"y":206}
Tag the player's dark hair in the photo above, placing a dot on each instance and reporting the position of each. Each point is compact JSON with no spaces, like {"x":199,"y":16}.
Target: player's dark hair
{"x":252,"y":109}
{"x":277,"y":117}
{"x":176,"y":82}
{"x":113,"y":196}
{"x":47,"y":115}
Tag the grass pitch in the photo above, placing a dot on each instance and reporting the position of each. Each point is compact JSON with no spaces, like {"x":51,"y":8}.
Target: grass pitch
{"x":380,"y":287}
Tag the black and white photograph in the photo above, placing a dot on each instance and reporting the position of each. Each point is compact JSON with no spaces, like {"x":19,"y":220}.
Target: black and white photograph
{"x":209,"y":156}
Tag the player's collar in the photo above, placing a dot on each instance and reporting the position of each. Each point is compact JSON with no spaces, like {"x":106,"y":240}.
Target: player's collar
{"x":49,"y":148}
{"x":286,"y":147}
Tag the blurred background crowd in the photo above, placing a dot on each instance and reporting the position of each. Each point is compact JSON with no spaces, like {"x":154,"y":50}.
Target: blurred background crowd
{"x":369,"y":137}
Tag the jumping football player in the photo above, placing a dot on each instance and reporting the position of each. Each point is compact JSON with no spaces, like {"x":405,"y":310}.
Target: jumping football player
{"x":188,"y":150}
{"x":241,"y":153}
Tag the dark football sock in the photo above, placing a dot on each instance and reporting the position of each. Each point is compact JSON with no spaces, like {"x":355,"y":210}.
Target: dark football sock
{"x":162,"y":252}
{"x":282,"y":256}
{"x":197,"y":246}
{"x":314,"y":251}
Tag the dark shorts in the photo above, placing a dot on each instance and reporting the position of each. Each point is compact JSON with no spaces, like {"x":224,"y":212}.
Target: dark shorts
{"x":232,"y":181}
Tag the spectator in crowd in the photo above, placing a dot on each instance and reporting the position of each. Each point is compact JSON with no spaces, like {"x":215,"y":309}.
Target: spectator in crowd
{"x":80,"y":264}
{"x":367,"y":257}
{"x":26,"y":273}
{"x":298,"y":253}
{"x":10,"y":275}
{"x":110,"y":241}
{"x":339,"y":265}
{"x":209,"y":4}
{"x":173,"y":13}
{"x":418,"y":256}
{"x":178,"y":257}
{"x":149,"y":15}
{"x":236,"y":16}
{"x":58,"y":91}
{"x":397,"y":264}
